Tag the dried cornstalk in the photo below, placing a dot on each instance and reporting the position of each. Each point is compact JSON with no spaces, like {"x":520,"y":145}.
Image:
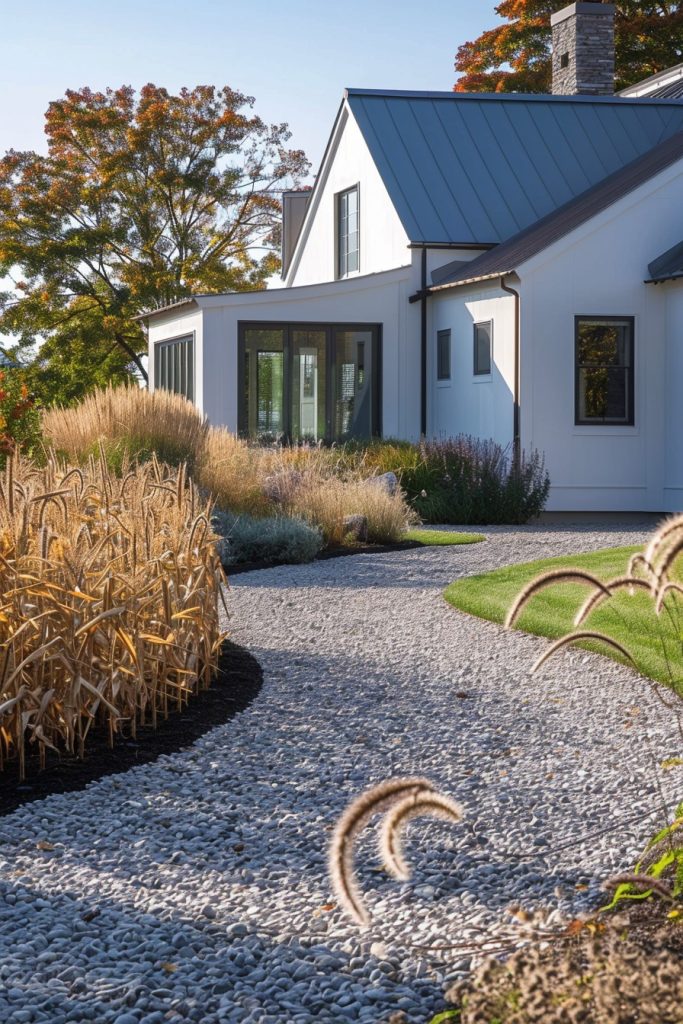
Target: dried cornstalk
{"x":109,"y":590}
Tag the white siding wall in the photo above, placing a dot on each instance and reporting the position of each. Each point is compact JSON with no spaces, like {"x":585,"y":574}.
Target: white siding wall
{"x":382,"y":299}
{"x":468,"y":404}
{"x":673,"y":480}
{"x":599,"y":270}
{"x":383,"y":241}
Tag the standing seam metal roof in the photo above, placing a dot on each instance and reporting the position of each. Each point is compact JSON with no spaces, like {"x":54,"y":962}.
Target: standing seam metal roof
{"x":477,"y":169}
{"x":509,"y":256}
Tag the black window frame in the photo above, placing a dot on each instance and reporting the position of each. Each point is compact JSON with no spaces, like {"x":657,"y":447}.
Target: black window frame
{"x":443,"y":355}
{"x":342,"y":259}
{"x":289,"y":327}
{"x":475,"y":365}
{"x":188,"y":339}
{"x":630,"y":394}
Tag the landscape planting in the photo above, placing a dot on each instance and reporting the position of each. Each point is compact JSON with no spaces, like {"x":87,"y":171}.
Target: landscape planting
{"x":110,"y":601}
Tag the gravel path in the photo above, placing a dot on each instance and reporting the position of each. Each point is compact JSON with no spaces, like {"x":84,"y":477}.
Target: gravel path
{"x":194,"y":888}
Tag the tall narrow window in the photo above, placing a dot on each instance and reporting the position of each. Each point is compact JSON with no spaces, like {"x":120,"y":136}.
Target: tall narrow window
{"x":604,"y":370}
{"x":483,"y":338}
{"x":174,"y":366}
{"x":443,"y":355}
{"x":348,"y":232}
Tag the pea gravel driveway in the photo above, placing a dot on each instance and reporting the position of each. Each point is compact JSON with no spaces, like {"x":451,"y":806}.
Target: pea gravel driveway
{"x":194,"y":888}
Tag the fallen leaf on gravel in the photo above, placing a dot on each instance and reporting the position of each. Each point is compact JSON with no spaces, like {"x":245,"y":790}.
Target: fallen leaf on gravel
{"x":90,"y":915}
{"x":167,"y":966}
{"x":43,"y":844}
{"x":238,"y":847}
{"x":462,"y":695}
{"x":581,"y":887}
{"x":671,"y":762}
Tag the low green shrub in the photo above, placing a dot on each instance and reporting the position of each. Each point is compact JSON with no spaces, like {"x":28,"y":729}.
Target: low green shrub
{"x":278,"y":539}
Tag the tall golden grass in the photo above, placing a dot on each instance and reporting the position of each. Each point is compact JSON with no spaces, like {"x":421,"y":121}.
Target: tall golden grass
{"x":128,"y":420}
{"x":332,"y":482}
{"x":109,"y":589}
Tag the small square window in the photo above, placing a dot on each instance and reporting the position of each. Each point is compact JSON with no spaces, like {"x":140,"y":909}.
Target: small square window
{"x":483,"y":335}
{"x":564,"y":60}
{"x":443,"y":355}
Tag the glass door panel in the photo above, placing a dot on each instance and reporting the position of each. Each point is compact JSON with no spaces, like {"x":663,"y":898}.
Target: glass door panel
{"x":354,"y":413}
{"x":263,"y":384}
{"x":309,"y":375}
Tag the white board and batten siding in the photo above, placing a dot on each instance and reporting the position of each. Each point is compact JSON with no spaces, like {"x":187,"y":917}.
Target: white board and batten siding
{"x":383,"y":240}
{"x":467,"y":403}
{"x":600,"y":270}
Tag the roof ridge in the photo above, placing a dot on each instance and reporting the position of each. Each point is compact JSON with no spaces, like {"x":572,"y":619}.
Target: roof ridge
{"x":514,"y":97}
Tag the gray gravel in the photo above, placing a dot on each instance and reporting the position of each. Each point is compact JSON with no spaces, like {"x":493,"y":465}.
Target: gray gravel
{"x":194,"y":888}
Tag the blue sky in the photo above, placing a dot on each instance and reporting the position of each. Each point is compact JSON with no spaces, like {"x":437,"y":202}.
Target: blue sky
{"x":295,"y":58}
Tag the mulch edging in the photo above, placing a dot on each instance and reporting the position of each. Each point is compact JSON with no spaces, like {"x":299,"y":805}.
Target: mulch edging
{"x":340,"y":552}
{"x":237,"y":683}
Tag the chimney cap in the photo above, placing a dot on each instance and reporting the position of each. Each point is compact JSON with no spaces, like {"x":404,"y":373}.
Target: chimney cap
{"x":583,"y":7}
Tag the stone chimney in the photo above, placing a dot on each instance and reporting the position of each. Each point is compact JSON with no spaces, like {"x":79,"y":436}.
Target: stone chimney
{"x":583,"y":49}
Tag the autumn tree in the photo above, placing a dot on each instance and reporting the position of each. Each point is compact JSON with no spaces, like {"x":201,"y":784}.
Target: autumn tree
{"x":140,"y":200}
{"x":516,"y":55}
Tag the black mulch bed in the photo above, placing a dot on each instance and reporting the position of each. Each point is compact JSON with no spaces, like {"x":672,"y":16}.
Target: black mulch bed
{"x":340,"y":552}
{"x":237,"y":683}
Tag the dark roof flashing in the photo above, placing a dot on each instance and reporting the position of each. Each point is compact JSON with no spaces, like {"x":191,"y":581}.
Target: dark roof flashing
{"x":667,"y":267}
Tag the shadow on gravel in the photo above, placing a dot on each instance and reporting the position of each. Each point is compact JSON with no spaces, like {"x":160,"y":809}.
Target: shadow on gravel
{"x":238,"y":682}
{"x":96,"y":959}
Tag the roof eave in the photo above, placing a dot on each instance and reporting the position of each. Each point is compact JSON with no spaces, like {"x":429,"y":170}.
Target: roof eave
{"x":149,"y":313}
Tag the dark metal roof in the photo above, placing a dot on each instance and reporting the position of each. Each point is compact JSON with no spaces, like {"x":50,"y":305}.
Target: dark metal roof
{"x":477,"y":168}
{"x":668,"y":266}
{"x":665,"y":85}
{"x":506,"y":258}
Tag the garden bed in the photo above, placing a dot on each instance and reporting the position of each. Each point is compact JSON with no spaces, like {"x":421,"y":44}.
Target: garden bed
{"x":237,"y":683}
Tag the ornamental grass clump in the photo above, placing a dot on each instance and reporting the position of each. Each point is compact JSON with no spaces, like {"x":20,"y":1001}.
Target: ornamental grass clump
{"x":128,"y":422}
{"x":109,"y":590}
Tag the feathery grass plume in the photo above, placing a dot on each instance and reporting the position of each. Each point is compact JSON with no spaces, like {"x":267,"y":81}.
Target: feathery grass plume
{"x":660,"y":537}
{"x":417,"y":805}
{"x":595,"y":599}
{"x":373,"y":801}
{"x":546,"y":580}
{"x":581,"y":634}
{"x":639,"y":559}
{"x":664,"y":567}
{"x":669,"y":587}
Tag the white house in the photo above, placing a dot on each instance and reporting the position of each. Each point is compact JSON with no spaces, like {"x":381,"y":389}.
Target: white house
{"x":508,"y":266}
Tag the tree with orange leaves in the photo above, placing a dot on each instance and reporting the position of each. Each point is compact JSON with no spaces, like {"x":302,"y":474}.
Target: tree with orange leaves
{"x":515,"y":56}
{"x":140,"y":200}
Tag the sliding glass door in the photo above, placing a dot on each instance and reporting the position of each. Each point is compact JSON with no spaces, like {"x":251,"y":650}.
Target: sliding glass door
{"x":309,"y":382}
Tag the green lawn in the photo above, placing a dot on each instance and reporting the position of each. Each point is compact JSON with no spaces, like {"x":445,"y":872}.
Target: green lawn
{"x":441,"y":538}
{"x":630,"y":620}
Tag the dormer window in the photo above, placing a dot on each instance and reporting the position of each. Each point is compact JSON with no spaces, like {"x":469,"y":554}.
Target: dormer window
{"x":348,"y":235}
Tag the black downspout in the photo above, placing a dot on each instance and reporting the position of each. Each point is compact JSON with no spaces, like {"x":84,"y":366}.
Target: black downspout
{"x":516,"y":431}
{"x":423,"y":347}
